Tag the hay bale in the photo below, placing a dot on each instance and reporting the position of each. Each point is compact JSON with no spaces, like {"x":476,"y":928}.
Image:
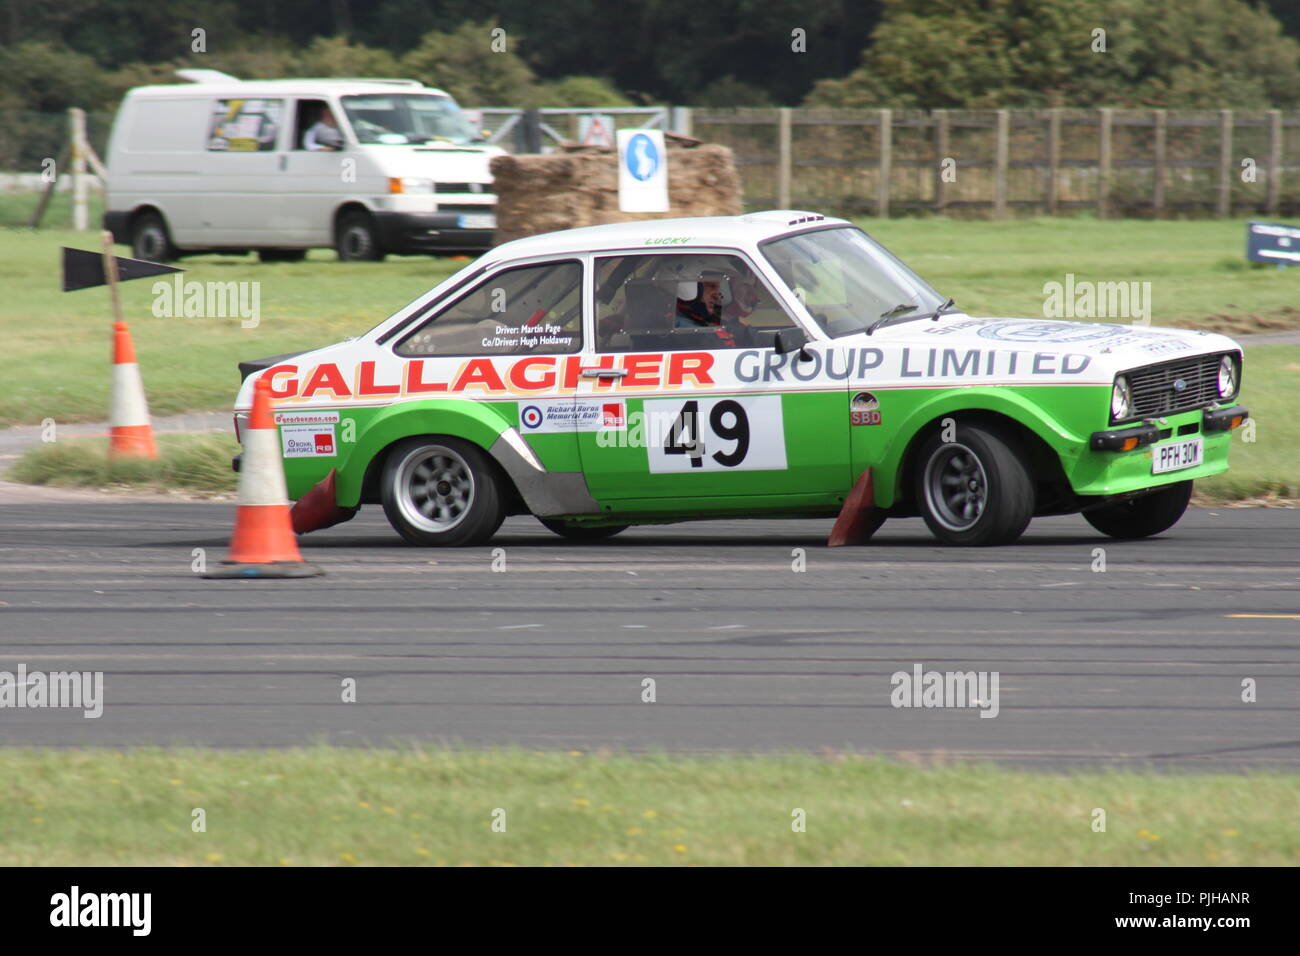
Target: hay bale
{"x":543,"y":193}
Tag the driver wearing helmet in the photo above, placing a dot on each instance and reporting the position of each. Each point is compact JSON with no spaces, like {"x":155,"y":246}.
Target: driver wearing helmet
{"x":701,"y":304}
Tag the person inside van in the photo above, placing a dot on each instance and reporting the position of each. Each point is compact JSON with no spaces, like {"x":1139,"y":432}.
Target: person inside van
{"x":324,"y":134}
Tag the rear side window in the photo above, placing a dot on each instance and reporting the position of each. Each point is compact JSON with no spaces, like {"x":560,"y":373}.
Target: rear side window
{"x":245,"y":126}
{"x":530,"y":309}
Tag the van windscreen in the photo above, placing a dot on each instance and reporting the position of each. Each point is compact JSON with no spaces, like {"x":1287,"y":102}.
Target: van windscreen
{"x":402,"y":118}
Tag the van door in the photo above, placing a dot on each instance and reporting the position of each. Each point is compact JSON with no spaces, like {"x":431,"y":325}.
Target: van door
{"x":315,"y":179}
{"x":241,"y":203}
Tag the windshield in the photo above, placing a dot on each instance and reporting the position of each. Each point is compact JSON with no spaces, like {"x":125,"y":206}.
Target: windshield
{"x":847,"y":280}
{"x":401,"y":118}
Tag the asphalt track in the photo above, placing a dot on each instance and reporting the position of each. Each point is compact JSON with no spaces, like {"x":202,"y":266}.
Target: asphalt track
{"x":1141,"y":664}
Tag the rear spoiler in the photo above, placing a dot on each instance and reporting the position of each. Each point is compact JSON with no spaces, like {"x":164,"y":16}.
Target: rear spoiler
{"x":260,"y":365}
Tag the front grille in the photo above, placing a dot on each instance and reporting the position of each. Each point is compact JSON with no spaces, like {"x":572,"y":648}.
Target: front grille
{"x":461,"y":188}
{"x":1155,"y":392}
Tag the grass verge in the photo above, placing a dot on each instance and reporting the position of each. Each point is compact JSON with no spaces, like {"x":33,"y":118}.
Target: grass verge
{"x":329,"y":806}
{"x":194,"y":463}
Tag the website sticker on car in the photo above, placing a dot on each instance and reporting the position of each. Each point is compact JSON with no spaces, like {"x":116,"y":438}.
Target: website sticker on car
{"x":1177,"y":455}
{"x":715,"y":434}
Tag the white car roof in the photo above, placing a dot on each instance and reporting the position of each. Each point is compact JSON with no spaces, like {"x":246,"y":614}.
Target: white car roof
{"x":725,"y":231}
{"x":307,"y":87}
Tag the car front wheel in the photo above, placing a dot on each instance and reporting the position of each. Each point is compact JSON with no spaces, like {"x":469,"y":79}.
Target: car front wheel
{"x":357,"y":239}
{"x":1142,"y":517}
{"x":974,"y":490}
{"x":442,"y":492}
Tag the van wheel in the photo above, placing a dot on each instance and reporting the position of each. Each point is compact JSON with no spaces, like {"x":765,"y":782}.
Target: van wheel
{"x":580,"y":532}
{"x":974,"y":490}
{"x":281,"y":255}
{"x":357,"y":240}
{"x":442,"y":492}
{"x":1144,"y":516}
{"x":149,"y":238}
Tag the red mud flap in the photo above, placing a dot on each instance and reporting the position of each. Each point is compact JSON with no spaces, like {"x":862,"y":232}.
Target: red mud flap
{"x":859,"y":518}
{"x":317,"y":509}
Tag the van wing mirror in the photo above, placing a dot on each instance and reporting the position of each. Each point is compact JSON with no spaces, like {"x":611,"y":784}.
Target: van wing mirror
{"x":790,"y":340}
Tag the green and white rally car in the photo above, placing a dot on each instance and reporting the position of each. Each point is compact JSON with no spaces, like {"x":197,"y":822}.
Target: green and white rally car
{"x":750,"y":366}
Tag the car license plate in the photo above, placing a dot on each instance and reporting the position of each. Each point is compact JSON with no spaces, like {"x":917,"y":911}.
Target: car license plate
{"x":479,"y":220}
{"x":1177,"y":455}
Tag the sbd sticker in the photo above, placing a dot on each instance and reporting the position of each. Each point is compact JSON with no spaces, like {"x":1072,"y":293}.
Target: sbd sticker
{"x":864,"y":409}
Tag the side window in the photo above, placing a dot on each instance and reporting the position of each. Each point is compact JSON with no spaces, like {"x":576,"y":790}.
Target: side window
{"x":514,"y":312}
{"x":245,"y":126}
{"x":682,"y":301}
{"x":315,"y":127}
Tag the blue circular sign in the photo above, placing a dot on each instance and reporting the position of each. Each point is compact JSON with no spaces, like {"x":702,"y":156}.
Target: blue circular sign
{"x":531,"y":417}
{"x":642,"y":157}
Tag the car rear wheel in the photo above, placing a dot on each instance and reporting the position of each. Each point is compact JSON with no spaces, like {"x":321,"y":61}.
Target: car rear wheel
{"x":1144,"y":516}
{"x":357,"y":239}
{"x":974,"y":490}
{"x":150,"y":240}
{"x":442,"y":492}
{"x":580,"y":532}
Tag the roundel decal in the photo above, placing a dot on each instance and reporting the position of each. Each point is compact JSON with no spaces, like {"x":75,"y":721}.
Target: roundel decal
{"x":1048,"y":332}
{"x":531,"y":416}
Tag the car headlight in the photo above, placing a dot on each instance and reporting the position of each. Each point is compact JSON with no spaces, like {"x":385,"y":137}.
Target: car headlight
{"x":1121,"y":399}
{"x":1227,"y":377}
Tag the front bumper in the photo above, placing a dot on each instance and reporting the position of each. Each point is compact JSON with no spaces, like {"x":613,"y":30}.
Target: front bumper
{"x":430,"y":232}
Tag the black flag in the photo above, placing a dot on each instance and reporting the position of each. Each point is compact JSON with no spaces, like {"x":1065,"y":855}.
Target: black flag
{"x":83,"y":269}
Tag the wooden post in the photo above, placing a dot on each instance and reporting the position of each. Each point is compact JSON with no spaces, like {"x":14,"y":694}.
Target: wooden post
{"x":1103,"y":163}
{"x":886,"y":161}
{"x":110,"y":273}
{"x":1000,"y":165}
{"x":1274,"y":161}
{"x":1053,"y":157}
{"x":1223,"y":208}
{"x":940,"y":154}
{"x":77,"y":125}
{"x":1161,"y":163}
{"x":50,"y":187}
{"x":783,"y":159}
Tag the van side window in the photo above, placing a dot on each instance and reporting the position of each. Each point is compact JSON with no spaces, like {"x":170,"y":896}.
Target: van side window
{"x":245,"y":126}
{"x":315,"y":127}
{"x":529,"y":309}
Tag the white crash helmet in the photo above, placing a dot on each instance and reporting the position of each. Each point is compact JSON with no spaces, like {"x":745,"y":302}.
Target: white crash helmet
{"x":687,"y":272}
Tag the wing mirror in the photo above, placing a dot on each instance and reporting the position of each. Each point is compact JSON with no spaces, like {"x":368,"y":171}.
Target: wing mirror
{"x":792,"y":340}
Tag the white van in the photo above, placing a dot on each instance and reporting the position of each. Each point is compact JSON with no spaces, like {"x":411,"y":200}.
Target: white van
{"x":226,"y":165}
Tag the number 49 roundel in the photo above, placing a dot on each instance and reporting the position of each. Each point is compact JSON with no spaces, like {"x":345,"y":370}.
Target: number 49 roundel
{"x":715,"y":434}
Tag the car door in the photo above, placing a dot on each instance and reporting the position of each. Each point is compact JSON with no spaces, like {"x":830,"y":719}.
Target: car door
{"x":694,"y":400}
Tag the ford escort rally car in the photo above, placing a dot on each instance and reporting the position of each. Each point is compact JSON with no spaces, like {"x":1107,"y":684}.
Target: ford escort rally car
{"x":750,"y":366}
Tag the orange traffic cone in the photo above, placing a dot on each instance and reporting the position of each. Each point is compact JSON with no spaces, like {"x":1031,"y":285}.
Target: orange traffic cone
{"x":263,"y":545}
{"x":130,"y":434}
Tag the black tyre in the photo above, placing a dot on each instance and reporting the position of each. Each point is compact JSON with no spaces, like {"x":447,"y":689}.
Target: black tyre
{"x":1142,"y":517}
{"x":150,"y":239}
{"x":579,"y":532}
{"x":357,"y":240}
{"x":442,"y":492}
{"x":974,"y":490}
{"x":281,"y":255}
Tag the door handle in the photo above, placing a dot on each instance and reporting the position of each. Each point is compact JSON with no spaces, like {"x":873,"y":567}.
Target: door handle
{"x":603,"y":372}
{"x":284,"y":163}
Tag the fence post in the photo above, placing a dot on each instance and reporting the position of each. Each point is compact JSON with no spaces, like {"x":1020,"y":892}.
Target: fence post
{"x":682,"y":121}
{"x":941,"y":154}
{"x":77,"y":124}
{"x":1000,"y":165}
{"x":1103,"y":163}
{"x":1053,"y":157}
{"x":1274,"y":160}
{"x":886,"y":161}
{"x":784,"y":159}
{"x":1223,"y":207}
{"x":1162,"y":159}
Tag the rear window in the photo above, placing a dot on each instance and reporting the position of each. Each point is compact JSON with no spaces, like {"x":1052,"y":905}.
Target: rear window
{"x":245,"y":126}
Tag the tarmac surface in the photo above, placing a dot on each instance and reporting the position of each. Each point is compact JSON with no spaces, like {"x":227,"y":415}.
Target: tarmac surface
{"x":1142,"y":664}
